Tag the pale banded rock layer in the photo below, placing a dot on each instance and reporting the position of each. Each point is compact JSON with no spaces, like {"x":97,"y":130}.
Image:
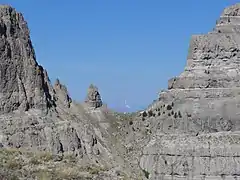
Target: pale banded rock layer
{"x":197,"y":120}
{"x":211,"y":156}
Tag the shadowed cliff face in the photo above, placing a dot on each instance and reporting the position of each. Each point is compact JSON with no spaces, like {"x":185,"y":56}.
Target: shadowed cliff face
{"x":23,"y":83}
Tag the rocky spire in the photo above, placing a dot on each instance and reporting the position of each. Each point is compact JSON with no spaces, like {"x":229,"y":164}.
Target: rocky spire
{"x":93,"y":97}
{"x":61,"y":94}
{"x":23,"y":84}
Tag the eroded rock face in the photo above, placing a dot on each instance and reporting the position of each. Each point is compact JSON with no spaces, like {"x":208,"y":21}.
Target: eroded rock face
{"x":200,"y":106}
{"x":190,"y":132}
{"x":209,"y":156}
{"x":23,"y":83}
{"x":208,"y":90}
{"x":93,"y":97}
{"x":36,"y":116}
{"x":61,"y":94}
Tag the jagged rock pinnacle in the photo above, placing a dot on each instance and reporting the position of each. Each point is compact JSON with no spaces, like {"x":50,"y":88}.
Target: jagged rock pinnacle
{"x":61,"y":94}
{"x":23,"y":84}
{"x":34,"y":115}
{"x":93,"y":97}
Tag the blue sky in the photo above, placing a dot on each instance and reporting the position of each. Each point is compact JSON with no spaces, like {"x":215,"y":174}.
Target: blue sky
{"x":128,"y":48}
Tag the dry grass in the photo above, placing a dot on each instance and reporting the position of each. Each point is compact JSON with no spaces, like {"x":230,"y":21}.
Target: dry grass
{"x":40,"y":157}
{"x":70,"y":158}
{"x":41,"y":166}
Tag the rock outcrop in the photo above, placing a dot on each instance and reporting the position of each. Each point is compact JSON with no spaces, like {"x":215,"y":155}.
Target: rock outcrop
{"x":197,"y":118}
{"x":61,"y":94}
{"x":192,"y":131}
{"x":23,"y":83}
{"x":36,"y":116}
{"x":93,"y":98}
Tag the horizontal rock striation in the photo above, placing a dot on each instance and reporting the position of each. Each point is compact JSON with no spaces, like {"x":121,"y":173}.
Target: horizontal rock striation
{"x":212,"y":156}
{"x":197,"y":118}
{"x":208,"y":89}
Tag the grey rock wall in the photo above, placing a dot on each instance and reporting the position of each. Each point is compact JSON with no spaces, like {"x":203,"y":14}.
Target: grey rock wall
{"x":36,"y":116}
{"x":197,"y":118}
{"x":23,"y":83}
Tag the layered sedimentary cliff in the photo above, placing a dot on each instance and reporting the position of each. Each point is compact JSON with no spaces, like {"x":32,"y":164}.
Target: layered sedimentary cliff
{"x":197,"y":118}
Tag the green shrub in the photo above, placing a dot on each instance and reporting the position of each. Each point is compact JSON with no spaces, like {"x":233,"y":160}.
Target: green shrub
{"x":169,"y":107}
{"x":150,"y":113}
{"x":144,"y":114}
{"x":175,"y":115}
{"x":179,"y":114}
{"x":146,"y":173}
